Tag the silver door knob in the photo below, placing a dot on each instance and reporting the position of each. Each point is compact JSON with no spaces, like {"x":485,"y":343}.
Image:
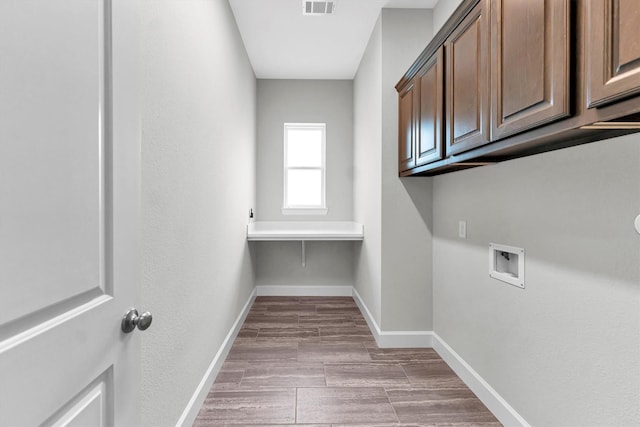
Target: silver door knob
{"x":131,"y":319}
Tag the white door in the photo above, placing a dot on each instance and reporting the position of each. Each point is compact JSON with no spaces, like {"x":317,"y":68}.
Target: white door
{"x":69,"y":212}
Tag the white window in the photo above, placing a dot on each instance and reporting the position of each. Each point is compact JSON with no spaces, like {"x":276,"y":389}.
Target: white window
{"x":304,"y":169}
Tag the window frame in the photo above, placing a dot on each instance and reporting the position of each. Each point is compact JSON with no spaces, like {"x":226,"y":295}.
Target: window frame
{"x":305,"y":209}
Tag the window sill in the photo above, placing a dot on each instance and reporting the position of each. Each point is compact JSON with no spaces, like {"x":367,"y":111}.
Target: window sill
{"x":304,"y":211}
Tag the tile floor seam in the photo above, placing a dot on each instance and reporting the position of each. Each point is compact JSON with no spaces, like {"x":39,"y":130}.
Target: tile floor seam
{"x":405,"y":374}
{"x":367,"y":351}
{"x":324,"y":369}
{"x":391,"y":403}
{"x":347,"y":349}
{"x":242,"y":376}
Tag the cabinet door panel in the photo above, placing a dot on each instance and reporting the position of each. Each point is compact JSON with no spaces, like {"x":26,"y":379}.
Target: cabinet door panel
{"x":406,"y":129}
{"x":530,"y":60}
{"x":467,"y":83}
{"x":517,"y":54}
{"x":612,"y":50}
{"x":429,"y":141}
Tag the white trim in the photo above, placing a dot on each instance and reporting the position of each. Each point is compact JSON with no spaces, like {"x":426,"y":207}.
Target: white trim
{"x":197,"y":400}
{"x":375,"y":329}
{"x":304,"y":291}
{"x":405,"y":339}
{"x":492,"y":400}
{"x":385,"y":339}
{"x":393,"y":339}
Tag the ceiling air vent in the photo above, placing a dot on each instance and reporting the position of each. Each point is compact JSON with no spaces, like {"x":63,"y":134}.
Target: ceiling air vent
{"x":312,"y":7}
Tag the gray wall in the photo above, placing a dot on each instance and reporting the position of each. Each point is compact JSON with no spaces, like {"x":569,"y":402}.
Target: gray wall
{"x":198,"y":142}
{"x":304,"y":101}
{"x":393,"y":267}
{"x":327,"y":263}
{"x":367,"y":174}
{"x":564,"y":351}
{"x":406,"y":203}
{"x":442,"y":11}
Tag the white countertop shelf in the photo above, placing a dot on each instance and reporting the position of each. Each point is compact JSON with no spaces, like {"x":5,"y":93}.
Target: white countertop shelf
{"x":305,"y":231}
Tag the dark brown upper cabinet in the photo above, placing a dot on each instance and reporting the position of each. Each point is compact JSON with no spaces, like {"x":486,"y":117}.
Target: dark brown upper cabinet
{"x":612,"y":50}
{"x":467,"y":82}
{"x":430,"y":114}
{"x":407,"y":128}
{"x":520,"y":77}
{"x":420,"y":117}
{"x":530,"y":54}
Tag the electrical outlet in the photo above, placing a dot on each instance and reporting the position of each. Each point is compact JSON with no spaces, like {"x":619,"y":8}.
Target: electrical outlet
{"x":462,"y":229}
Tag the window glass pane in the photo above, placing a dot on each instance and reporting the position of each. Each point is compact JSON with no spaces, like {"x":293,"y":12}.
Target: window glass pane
{"x":304,"y":148}
{"x":304,"y":187}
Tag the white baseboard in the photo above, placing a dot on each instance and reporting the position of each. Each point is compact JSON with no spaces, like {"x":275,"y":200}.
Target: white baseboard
{"x":385,"y":339}
{"x":405,"y":339}
{"x":492,"y":400}
{"x":195,"y":403}
{"x":304,"y":291}
{"x":393,"y":339}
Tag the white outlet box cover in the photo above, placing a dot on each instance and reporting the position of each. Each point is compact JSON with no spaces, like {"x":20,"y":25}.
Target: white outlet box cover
{"x":514,"y":274}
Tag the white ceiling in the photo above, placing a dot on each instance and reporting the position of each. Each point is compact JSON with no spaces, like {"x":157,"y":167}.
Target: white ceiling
{"x":284,"y":44}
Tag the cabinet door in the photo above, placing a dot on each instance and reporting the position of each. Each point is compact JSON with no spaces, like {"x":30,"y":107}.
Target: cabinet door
{"x":429,"y":126}
{"x":406,"y":128}
{"x":612,"y":50}
{"x":530,"y":64}
{"x":467,"y":83}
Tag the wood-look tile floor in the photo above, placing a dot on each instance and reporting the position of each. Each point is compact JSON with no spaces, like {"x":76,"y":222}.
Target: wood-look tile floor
{"x":312,"y":361}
